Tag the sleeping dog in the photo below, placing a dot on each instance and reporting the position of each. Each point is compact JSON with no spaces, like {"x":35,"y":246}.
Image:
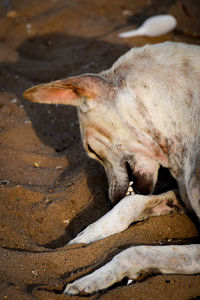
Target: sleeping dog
{"x":141,"y":114}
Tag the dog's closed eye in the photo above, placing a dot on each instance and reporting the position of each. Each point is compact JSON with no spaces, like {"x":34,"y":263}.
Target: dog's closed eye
{"x":89,"y":148}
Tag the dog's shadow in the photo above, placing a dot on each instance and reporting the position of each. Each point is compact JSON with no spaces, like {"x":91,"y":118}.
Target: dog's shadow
{"x":100,"y":206}
{"x":51,"y":57}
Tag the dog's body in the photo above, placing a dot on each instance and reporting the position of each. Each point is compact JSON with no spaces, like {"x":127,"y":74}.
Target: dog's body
{"x":141,"y":114}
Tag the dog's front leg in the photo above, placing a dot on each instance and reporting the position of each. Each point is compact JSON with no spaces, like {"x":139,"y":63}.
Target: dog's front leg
{"x":130,"y":209}
{"x":136,"y":262}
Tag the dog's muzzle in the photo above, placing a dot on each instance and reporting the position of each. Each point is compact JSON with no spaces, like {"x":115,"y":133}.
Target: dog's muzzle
{"x":120,"y":182}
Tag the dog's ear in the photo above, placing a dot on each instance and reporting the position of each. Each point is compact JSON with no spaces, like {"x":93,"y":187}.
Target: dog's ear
{"x":80,"y":91}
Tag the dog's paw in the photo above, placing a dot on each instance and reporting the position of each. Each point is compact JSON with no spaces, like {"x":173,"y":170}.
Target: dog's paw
{"x":82,"y":286}
{"x":72,"y":289}
{"x":104,"y":227}
{"x":90,"y":234}
{"x":115,"y":221}
{"x":92,"y":283}
{"x":114,"y":271}
{"x":101,"y":229}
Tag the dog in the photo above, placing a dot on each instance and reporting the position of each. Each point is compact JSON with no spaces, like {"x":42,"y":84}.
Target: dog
{"x":141,"y":114}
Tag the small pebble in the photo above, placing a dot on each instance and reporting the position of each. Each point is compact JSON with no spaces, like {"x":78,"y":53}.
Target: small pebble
{"x":4,"y":182}
{"x":127,"y":12}
{"x":12,"y":14}
{"x":36,"y":165}
{"x":29,"y":28}
{"x":40,"y":219}
{"x":34,"y":272}
{"x":66,"y":221}
{"x":58,"y":167}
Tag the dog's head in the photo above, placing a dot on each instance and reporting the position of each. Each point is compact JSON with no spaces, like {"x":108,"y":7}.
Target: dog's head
{"x":104,"y":132}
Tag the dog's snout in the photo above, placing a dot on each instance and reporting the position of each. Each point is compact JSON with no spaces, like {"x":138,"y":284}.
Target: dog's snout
{"x":118,"y":183}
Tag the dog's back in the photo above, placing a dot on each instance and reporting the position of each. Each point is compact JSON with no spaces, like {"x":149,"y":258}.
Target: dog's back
{"x":166,"y":78}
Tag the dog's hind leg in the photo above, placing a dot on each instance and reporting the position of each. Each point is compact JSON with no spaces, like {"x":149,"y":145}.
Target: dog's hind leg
{"x":137,"y":262}
{"x":130,"y":209}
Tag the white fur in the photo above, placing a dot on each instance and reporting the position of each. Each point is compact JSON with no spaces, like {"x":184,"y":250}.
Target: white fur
{"x":132,"y":262}
{"x":130,"y":209}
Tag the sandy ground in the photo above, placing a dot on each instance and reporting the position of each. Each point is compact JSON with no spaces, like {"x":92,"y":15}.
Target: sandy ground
{"x":49,"y":189}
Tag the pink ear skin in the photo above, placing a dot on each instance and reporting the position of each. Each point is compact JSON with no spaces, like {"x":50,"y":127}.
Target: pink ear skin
{"x":53,"y":94}
{"x":70,"y":91}
{"x":58,"y":92}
